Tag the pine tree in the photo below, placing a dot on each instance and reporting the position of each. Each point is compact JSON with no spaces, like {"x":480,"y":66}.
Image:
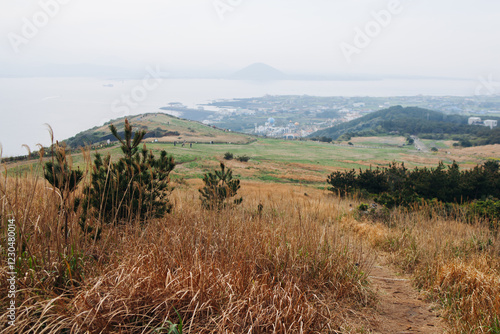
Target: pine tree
{"x":135,"y":188}
{"x":219,"y":186}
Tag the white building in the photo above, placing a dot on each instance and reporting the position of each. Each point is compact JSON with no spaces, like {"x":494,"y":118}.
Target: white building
{"x":475,"y":121}
{"x":490,"y":123}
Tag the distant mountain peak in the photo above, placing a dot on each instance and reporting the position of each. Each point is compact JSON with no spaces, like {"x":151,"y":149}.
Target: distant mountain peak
{"x":259,"y":72}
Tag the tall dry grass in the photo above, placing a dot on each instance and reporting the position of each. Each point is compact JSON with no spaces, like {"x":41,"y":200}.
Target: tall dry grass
{"x":456,"y":262}
{"x":286,"y":268}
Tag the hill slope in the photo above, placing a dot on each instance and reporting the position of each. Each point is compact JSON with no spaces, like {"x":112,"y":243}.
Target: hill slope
{"x":163,"y":127}
{"x":259,"y":72}
{"x":414,"y":121}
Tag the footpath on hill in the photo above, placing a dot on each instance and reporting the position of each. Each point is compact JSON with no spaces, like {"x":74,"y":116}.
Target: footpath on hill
{"x":401,"y":309}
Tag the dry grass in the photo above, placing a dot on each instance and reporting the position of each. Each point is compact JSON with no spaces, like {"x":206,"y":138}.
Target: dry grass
{"x":486,"y":151}
{"x":287,"y":269}
{"x":458,"y":264}
{"x":298,"y":266}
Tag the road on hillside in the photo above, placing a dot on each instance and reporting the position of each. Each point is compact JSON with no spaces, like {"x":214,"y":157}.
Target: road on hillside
{"x":419,"y":145}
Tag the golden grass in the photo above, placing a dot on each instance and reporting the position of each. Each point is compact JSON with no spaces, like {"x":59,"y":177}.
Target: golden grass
{"x":298,"y":266}
{"x":286,"y":269}
{"x":486,"y":151}
{"x":458,"y":264}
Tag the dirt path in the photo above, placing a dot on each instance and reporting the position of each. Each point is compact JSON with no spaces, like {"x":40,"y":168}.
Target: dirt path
{"x":401,"y":308}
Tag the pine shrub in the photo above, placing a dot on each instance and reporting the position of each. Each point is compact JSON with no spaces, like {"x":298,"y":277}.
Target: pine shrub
{"x":219,"y":187}
{"x":135,"y":188}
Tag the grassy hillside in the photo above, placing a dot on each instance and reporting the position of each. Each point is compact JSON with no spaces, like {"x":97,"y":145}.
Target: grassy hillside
{"x":414,"y":121}
{"x":163,"y":127}
{"x":273,"y":160}
{"x":296,"y":162}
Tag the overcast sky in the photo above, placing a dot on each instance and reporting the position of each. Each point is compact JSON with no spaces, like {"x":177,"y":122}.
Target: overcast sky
{"x":448,"y":38}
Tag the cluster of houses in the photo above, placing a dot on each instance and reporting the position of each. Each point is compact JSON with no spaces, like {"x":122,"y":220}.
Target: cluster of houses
{"x":290,"y":131}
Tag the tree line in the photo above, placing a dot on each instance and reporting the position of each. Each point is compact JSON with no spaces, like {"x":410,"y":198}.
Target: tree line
{"x":398,"y":185}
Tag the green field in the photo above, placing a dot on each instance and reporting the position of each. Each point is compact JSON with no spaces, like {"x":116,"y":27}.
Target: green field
{"x":273,"y":160}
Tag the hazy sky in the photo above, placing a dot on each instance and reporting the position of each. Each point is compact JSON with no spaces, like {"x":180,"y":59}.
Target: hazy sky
{"x":443,"y":38}
{"x":449,"y":38}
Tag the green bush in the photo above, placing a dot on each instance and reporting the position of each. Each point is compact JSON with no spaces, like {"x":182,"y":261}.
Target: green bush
{"x":397,"y":185}
{"x":488,"y":210}
{"x":228,"y":156}
{"x":325,"y":139}
{"x":363,"y":207}
{"x":135,"y":188}
{"x":386,"y":200}
{"x":243,"y":158}
{"x":219,"y":187}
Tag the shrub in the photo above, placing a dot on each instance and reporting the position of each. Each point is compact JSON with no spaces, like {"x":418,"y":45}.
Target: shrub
{"x":325,"y":139}
{"x":243,"y":158}
{"x":228,"y":156}
{"x":396,"y":185}
{"x":488,"y":210}
{"x":342,"y":183}
{"x":363,"y":207}
{"x":465,"y":143}
{"x":136,"y":187}
{"x":386,"y":200}
{"x":219,"y":186}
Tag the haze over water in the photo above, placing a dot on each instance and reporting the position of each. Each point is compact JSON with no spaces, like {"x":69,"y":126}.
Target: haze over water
{"x":71,"y":105}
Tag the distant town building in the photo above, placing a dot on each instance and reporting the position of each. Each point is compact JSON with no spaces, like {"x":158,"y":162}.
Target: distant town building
{"x":490,"y":123}
{"x":475,"y":121}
